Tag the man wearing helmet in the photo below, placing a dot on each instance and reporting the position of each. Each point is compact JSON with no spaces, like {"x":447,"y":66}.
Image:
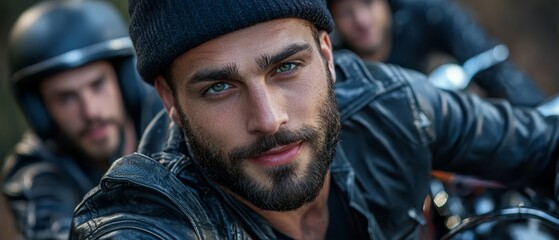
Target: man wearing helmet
{"x":250,"y":144}
{"x":73,"y":74}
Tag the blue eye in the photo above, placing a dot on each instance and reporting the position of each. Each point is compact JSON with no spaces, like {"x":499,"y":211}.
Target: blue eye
{"x":218,"y":87}
{"x":286,"y":67}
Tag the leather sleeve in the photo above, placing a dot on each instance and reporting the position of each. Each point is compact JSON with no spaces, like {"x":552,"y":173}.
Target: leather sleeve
{"x":128,"y":213}
{"x":454,"y":31}
{"x":42,"y":200}
{"x":490,"y":139}
{"x":136,"y":228}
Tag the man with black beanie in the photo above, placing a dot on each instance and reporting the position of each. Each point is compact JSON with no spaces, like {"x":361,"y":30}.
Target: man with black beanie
{"x":257,"y":144}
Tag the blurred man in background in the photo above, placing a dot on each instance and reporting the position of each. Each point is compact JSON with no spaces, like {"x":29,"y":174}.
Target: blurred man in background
{"x":407,"y":32}
{"x":73,"y":75}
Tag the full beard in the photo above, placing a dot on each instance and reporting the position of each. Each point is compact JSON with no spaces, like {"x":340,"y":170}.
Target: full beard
{"x":98,"y":155}
{"x":286,"y":190}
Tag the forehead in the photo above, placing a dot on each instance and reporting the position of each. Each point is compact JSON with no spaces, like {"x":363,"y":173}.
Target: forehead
{"x":246,"y":44}
{"x":77,"y":77}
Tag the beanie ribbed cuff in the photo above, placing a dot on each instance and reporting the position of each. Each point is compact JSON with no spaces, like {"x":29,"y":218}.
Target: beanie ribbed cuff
{"x":162,"y":30}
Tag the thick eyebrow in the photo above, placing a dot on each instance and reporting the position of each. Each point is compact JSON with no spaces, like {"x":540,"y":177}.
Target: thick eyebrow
{"x":266,"y":61}
{"x":229,"y":71}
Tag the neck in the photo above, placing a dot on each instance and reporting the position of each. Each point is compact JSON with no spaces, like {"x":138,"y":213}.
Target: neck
{"x":307,"y":222}
{"x":128,"y":145}
{"x":129,"y":137}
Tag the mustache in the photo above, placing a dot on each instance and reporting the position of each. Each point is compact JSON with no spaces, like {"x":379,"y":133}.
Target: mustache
{"x":265,"y":143}
{"x":94,"y":123}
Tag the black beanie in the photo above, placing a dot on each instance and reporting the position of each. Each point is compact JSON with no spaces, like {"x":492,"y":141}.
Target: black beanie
{"x":162,"y":30}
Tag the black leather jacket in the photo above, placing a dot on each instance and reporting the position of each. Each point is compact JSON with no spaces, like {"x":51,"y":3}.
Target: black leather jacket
{"x":395,"y":128}
{"x":421,"y":27}
{"x":43,"y":181}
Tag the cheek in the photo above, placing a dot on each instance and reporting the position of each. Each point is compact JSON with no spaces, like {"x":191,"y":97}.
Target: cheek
{"x":66,"y":117}
{"x":305,"y":102}
{"x":348,"y":27}
{"x":381,"y":13}
{"x":216,"y":125}
{"x":344,"y":24}
{"x":112,"y":102}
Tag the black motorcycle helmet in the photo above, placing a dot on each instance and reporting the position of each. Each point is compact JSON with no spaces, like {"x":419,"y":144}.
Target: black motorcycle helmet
{"x":53,"y":36}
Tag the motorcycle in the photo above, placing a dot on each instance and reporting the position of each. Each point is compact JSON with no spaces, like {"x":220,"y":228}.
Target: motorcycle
{"x":451,"y":76}
{"x":469,"y":208}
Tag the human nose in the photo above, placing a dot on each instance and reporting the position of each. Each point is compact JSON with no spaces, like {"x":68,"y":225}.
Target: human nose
{"x":361,"y":15}
{"x":266,"y":113}
{"x":90,"y":108}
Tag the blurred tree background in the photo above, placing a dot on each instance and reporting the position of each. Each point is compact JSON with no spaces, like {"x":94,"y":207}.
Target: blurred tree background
{"x":531,"y":31}
{"x":529,"y":28}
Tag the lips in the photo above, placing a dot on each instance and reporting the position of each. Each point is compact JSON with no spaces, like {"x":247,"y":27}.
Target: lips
{"x":97,"y":133}
{"x":280,"y":155}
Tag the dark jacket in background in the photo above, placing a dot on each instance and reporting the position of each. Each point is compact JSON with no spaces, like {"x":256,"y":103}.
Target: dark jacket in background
{"x":396,"y":127}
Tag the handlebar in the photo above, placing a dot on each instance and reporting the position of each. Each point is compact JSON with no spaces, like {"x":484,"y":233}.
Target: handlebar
{"x":506,"y":214}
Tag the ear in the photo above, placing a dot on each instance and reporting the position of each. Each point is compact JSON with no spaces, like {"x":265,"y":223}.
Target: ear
{"x":166,"y":95}
{"x":326,"y":50}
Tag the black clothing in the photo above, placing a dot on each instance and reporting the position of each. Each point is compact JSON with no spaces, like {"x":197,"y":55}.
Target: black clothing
{"x":344,"y":223}
{"x":395,"y":128}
